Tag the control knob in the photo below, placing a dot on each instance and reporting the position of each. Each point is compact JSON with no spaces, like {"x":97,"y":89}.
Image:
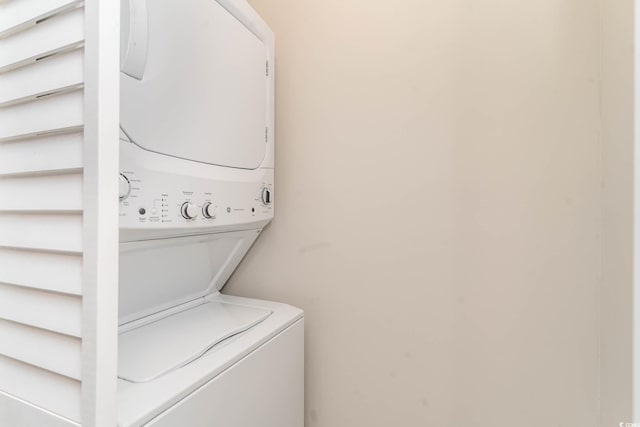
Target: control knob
{"x":189,"y":210}
{"x":124,"y":187}
{"x":208,"y":210}
{"x":266,"y":196}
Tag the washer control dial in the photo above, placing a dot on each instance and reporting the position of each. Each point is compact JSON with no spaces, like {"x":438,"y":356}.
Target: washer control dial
{"x":124,"y":187}
{"x":266,"y":196}
{"x":189,"y":210}
{"x":208,"y":210}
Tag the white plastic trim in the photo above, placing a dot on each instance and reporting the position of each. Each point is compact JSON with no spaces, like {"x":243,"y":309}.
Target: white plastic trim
{"x":134,"y":44}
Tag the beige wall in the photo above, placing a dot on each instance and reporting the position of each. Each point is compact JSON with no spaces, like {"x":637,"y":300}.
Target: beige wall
{"x":617,"y":283}
{"x":438,"y":209}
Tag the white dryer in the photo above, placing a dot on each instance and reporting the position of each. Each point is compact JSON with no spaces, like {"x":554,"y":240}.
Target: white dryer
{"x":196,"y":190}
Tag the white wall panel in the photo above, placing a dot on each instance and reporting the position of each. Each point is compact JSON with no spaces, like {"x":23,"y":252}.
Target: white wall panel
{"x":54,"y":352}
{"x":41,"y":270}
{"x":50,"y":153}
{"x":54,"y":312}
{"x":59,"y":394}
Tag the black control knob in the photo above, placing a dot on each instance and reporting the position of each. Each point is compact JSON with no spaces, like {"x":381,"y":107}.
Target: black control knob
{"x":124,"y":187}
{"x":266,"y":196}
{"x":189,"y":211}
{"x":208,"y":210}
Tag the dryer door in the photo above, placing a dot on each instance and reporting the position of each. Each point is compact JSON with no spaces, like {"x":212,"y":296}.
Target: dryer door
{"x":194,"y":82}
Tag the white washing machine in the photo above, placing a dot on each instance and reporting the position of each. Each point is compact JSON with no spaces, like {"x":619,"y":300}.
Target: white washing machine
{"x":196,"y":190}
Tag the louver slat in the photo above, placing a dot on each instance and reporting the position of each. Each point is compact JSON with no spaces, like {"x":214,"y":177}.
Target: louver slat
{"x":63,"y":353}
{"x":41,"y":155}
{"x":42,"y":78}
{"x":61,"y":33}
{"x":31,"y":118}
{"x":50,"y":233}
{"x":18,"y":15}
{"x":54,"y":193}
{"x":40,"y":270}
{"x":45,"y":310}
{"x":60,"y":395}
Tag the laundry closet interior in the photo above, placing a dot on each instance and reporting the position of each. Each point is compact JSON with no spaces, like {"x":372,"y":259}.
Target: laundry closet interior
{"x":278,"y":213}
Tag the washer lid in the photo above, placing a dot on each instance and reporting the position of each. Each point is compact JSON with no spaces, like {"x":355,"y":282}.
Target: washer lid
{"x":159,"y":274}
{"x":152,"y":350}
{"x":194,"y":82}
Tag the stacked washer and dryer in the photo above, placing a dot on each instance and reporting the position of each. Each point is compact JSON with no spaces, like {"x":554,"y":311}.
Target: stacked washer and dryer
{"x":196,"y":190}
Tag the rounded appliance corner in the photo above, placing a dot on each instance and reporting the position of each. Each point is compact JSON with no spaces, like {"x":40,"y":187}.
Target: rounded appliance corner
{"x":134,"y":42}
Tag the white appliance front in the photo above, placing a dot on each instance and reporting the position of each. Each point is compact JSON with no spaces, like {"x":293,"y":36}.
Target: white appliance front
{"x":196,"y":190}
{"x":197,"y":85}
{"x":252,"y":377}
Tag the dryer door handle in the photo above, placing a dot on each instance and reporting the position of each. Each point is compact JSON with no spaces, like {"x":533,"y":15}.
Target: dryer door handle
{"x":134,"y":37}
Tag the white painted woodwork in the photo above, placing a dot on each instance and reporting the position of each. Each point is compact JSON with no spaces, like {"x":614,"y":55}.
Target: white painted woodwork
{"x":49,"y":232}
{"x":63,"y":354}
{"x":13,"y":408}
{"x":57,"y":393}
{"x":18,"y":15}
{"x":50,"y":113}
{"x":60,"y":33}
{"x":100,"y":214}
{"x":40,"y":155}
{"x":46,"y":310}
{"x":41,"y":270}
{"x":42,"y":78}
{"x":42,"y":167}
{"x":42,"y":193}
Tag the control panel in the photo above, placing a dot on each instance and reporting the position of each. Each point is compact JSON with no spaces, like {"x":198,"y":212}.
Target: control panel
{"x":175,"y":204}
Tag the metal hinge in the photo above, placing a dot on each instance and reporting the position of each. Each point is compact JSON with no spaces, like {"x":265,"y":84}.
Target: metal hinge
{"x":266,"y":134}
{"x":266,"y":70}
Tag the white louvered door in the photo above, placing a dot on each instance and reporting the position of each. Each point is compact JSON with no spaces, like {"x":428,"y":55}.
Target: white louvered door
{"x":58,"y":226}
